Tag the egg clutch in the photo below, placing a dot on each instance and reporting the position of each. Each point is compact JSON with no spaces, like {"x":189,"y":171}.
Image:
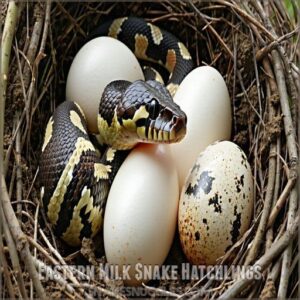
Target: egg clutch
{"x":204,"y":186}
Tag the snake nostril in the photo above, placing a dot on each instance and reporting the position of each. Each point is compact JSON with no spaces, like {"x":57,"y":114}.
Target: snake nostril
{"x":179,"y":122}
{"x":179,"y":125}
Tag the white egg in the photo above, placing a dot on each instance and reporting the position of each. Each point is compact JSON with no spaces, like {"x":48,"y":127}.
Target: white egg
{"x":204,"y":97}
{"x":141,"y":211}
{"x":99,"y":62}
{"x":216,"y":203}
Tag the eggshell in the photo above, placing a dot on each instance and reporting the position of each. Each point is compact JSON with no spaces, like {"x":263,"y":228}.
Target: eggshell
{"x":204,"y":97}
{"x":97,"y":63}
{"x":216,"y":203}
{"x":141,"y":211}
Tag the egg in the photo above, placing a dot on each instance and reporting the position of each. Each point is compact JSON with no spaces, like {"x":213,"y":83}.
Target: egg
{"x":216,"y":203}
{"x":141,"y":212}
{"x":204,"y":97}
{"x":99,"y":62}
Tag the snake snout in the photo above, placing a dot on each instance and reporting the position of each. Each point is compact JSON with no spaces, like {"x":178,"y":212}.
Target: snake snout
{"x":178,"y":128}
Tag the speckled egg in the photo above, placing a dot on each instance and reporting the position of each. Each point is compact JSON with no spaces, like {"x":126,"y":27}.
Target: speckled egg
{"x":216,"y":203}
{"x":204,"y":97}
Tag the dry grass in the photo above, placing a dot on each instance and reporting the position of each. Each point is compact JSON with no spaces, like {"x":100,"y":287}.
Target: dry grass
{"x":255,"y":46}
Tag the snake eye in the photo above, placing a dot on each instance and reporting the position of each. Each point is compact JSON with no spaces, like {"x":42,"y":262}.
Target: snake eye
{"x":153,"y":109}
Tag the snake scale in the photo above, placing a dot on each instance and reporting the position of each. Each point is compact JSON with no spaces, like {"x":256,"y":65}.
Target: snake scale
{"x":75,"y":179}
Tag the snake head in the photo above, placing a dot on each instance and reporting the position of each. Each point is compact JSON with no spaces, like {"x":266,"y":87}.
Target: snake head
{"x":149,"y":114}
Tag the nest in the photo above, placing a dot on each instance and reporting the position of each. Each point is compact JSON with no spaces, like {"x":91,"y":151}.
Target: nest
{"x":254,"y":45}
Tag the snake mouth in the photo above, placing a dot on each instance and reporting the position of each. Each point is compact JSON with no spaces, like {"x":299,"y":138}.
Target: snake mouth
{"x":172,"y":132}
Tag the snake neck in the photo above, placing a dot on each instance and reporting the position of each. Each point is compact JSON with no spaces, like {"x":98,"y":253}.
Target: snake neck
{"x":114,"y":135}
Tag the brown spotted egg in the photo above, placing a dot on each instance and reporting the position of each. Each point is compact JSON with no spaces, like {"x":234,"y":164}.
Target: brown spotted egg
{"x":216,"y":203}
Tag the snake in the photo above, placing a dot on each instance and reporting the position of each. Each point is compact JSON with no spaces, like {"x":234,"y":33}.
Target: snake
{"x":75,"y":176}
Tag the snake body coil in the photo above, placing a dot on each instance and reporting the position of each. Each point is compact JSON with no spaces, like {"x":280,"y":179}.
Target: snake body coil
{"x":75,"y":179}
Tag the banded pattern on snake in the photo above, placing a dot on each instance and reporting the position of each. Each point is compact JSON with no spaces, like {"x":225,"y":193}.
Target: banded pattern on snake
{"x":75,"y":179}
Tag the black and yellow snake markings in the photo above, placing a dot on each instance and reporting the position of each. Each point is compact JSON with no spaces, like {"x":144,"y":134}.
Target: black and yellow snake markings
{"x":75,"y":178}
{"x":149,"y":42}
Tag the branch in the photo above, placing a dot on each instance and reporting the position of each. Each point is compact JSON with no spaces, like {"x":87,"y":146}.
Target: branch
{"x":287,"y":255}
{"x":10,"y":25}
{"x":263,"y":262}
{"x":281,"y":201}
{"x":260,"y":233}
{"x":13,"y":256}
{"x":4,"y":265}
{"x":20,"y":240}
{"x":261,"y":53}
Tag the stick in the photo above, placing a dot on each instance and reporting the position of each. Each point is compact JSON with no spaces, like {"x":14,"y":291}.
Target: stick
{"x":14,"y":256}
{"x":50,"y":273}
{"x":20,"y":240}
{"x":60,"y":259}
{"x":19,"y":180}
{"x":287,"y":255}
{"x":248,"y":17}
{"x":161,"y":291}
{"x":261,"y":53}
{"x":259,"y":236}
{"x":284,"y":98}
{"x":101,"y":290}
{"x":9,"y":29}
{"x":281,"y":201}
{"x":264,"y":261}
{"x":290,"y":84}
{"x":4,"y":266}
{"x":34,"y":41}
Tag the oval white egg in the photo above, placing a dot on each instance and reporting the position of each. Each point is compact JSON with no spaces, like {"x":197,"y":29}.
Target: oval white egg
{"x":204,"y":97}
{"x":216,"y":203}
{"x":99,"y":62}
{"x":141,"y":211}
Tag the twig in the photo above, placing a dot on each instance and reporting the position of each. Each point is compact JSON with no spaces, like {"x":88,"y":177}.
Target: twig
{"x":278,"y":179}
{"x":270,"y":233}
{"x":100,"y":289}
{"x":35,"y":238}
{"x":45,"y":33}
{"x":42,"y":250}
{"x":281,"y":201}
{"x":294,"y":263}
{"x":17,"y":51}
{"x":248,"y":17}
{"x":51,"y":274}
{"x":34,"y":41}
{"x":59,"y":257}
{"x":259,"y":236}
{"x":160,"y":291}
{"x":20,"y":241}
{"x":19,"y":181}
{"x":275,"y":270}
{"x":4,"y":265}
{"x":38,"y":58}
{"x":213,"y":31}
{"x":263,"y":262}
{"x":10,"y":148}
{"x":261,"y":53}
{"x":50,"y":258}
{"x":290,"y":84}
{"x":14,"y":257}
{"x":72,"y":20}
{"x":287,"y":255}
{"x":9,"y":29}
